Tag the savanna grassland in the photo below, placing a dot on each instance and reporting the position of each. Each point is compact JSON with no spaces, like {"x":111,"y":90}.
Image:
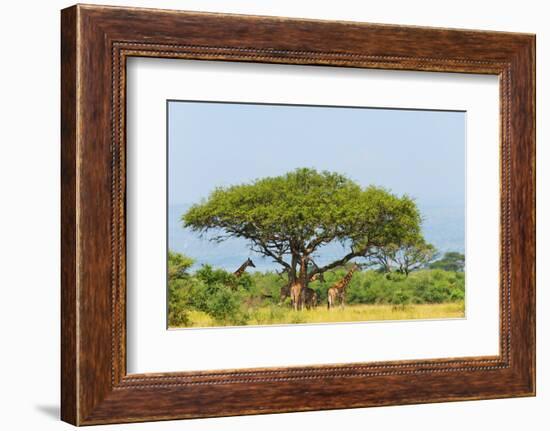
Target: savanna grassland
{"x":275,"y":315}
{"x":214,"y":297}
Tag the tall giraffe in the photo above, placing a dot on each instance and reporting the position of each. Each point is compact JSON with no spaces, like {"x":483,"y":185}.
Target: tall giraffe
{"x":297,"y":286}
{"x":248,"y":262}
{"x":338,"y":290}
{"x":285,"y":291}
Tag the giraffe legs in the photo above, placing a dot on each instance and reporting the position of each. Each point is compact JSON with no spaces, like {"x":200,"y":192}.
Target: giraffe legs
{"x":331,"y":298}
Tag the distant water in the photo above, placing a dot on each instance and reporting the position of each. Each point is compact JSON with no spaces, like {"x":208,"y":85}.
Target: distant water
{"x":443,"y":226}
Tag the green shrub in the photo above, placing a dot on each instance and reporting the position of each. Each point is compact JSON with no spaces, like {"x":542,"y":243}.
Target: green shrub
{"x":225,"y":307}
{"x":213,"y":291}
{"x":400,"y":299}
{"x":421,"y":287}
{"x":178,"y":303}
{"x":178,"y":265}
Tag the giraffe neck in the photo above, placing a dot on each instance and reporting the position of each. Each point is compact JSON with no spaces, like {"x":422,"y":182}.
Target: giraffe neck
{"x":347,"y":278}
{"x":241,"y":269}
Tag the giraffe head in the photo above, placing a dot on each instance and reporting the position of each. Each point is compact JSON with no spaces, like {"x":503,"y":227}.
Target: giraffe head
{"x":250,"y":263}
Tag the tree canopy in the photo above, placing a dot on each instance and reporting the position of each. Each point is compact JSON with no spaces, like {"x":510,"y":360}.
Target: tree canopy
{"x":289,"y":217}
{"x":413,"y":254}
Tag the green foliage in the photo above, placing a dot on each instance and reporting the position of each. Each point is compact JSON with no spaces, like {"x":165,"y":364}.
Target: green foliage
{"x":421,"y":287}
{"x":400,"y":298}
{"x":211,"y":277}
{"x":178,"y":302}
{"x":178,"y":264}
{"x":266,"y":287}
{"x":231,"y":301}
{"x":451,"y":261}
{"x":225,"y":307}
{"x":178,"y":289}
{"x":412,"y":254}
{"x":288,"y":217}
{"x":213,"y":291}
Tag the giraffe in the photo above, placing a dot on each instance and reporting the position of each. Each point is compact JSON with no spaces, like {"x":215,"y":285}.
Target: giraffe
{"x":338,"y":290}
{"x":285,"y":293}
{"x":295,"y":295}
{"x":309,"y":298}
{"x":285,"y":290}
{"x":297,"y":285}
{"x":240,"y":271}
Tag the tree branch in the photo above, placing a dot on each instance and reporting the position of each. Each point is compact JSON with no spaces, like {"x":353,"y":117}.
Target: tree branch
{"x":340,"y":262}
{"x":265,"y":249}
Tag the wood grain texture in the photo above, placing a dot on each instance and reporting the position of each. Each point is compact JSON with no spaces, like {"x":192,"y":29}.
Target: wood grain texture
{"x":96,"y":41}
{"x":69,"y":366}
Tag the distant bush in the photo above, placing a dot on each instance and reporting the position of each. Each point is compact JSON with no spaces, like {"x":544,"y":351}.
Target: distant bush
{"x":420,"y":287}
{"x":266,"y":287}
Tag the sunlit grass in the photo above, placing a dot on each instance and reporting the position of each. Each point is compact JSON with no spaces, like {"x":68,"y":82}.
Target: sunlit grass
{"x":277,"y":315}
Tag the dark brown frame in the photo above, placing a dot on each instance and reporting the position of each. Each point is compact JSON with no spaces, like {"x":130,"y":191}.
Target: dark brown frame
{"x":96,"y":41}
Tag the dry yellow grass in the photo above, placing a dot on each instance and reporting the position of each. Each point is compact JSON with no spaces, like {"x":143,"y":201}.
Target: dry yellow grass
{"x":276,"y":315}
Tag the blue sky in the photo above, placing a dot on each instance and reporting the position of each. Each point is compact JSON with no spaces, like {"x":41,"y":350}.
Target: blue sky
{"x":420,"y":153}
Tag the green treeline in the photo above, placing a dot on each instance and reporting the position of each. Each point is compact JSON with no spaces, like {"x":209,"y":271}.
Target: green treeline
{"x":229,"y":300}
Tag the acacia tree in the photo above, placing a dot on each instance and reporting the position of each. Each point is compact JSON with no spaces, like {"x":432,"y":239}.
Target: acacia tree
{"x":288,"y":218}
{"x":412,"y":254}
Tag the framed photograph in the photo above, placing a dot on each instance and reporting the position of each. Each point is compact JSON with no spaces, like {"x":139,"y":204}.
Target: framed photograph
{"x":265,"y":215}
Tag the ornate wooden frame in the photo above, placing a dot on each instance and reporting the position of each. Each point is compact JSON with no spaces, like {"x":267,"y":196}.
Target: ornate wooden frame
{"x":96,"y":41}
